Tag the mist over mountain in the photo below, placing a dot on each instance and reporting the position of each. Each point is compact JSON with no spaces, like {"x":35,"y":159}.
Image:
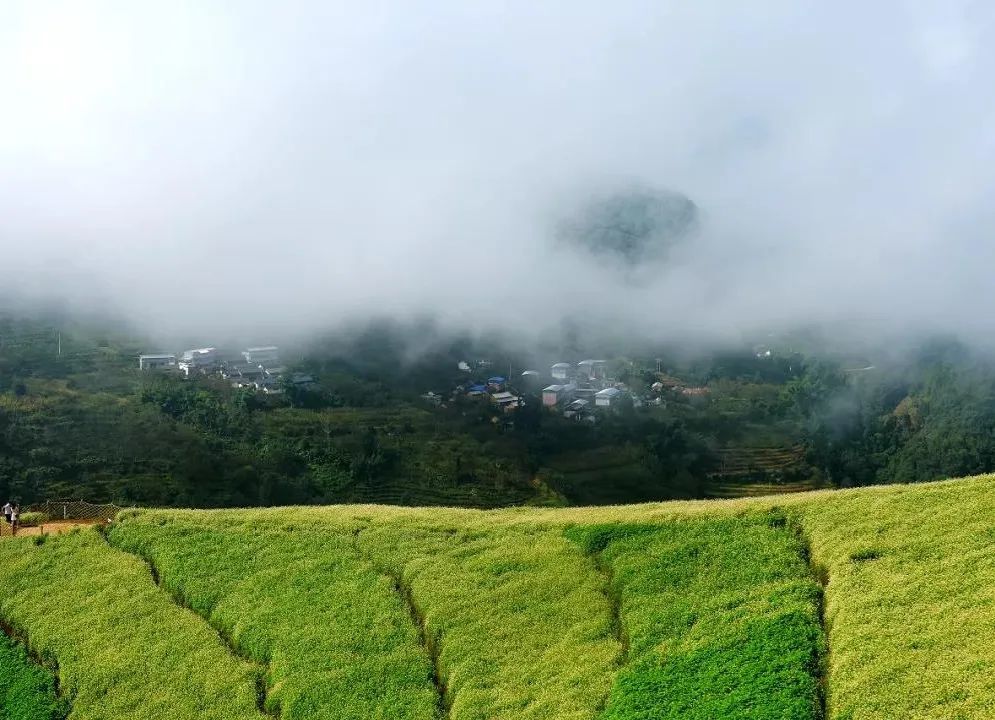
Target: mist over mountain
{"x":633,"y":227}
{"x":249,"y":170}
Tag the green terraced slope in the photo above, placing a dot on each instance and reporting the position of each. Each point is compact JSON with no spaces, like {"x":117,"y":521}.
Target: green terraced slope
{"x":852,"y":605}
{"x":27,"y":689}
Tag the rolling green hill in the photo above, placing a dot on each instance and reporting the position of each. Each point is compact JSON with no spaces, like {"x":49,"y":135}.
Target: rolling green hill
{"x":852,"y":605}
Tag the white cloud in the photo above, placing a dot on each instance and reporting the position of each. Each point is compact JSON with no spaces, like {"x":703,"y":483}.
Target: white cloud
{"x":335,"y":160}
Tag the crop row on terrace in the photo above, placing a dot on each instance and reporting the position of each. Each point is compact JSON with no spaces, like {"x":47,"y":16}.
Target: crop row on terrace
{"x":721,"y":617}
{"x":514,"y":622}
{"x":517,"y":621}
{"x":27,"y":690}
{"x":124,"y":650}
{"x":371,"y":620}
{"x":518,"y":618}
{"x":334,"y":633}
{"x":911,"y":599}
{"x":690,"y":610}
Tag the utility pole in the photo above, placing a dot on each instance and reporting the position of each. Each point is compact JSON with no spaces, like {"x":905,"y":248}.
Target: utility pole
{"x":60,"y":344}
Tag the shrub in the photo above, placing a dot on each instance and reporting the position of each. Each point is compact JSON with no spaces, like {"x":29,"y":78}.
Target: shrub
{"x":31,"y":519}
{"x":864,"y":554}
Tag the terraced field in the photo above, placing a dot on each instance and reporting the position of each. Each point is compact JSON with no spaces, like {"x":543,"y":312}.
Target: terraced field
{"x":853,"y":605}
{"x":27,"y":688}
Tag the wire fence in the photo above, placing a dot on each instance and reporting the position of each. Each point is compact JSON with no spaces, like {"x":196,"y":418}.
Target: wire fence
{"x":81,"y":510}
{"x":61,"y":513}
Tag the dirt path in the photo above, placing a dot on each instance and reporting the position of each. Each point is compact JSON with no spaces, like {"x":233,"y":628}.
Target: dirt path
{"x":49,"y":528}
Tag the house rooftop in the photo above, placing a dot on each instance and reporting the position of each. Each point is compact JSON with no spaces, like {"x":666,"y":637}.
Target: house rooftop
{"x":608,"y":393}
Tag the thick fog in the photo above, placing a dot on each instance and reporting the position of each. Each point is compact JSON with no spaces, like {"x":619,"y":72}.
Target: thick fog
{"x":256,"y":165}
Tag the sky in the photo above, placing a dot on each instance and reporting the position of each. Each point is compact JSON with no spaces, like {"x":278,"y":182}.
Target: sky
{"x":241,"y":167}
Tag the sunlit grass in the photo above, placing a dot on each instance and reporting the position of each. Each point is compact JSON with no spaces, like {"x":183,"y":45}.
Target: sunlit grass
{"x":910,"y":600}
{"x":27,"y":690}
{"x":720,"y":615}
{"x":124,"y":650}
{"x":337,"y":637}
{"x":519,"y":617}
{"x":664,"y":610}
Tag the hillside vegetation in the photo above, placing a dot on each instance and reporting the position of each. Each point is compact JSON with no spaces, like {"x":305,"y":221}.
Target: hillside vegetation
{"x":79,"y":420}
{"x":123,"y":648}
{"x":852,"y":605}
{"x":27,"y":690}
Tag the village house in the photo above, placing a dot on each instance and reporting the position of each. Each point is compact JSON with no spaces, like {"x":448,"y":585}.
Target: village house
{"x":198,"y":360}
{"x":607,"y":397}
{"x":506,"y":401}
{"x":475,"y":391}
{"x":268,"y":386}
{"x":560,"y":371}
{"x":230,"y":370}
{"x":585,"y":393}
{"x":156,"y":362}
{"x":591,"y":370}
{"x":576,"y":409}
{"x":265,"y":356}
{"x":557,"y":394}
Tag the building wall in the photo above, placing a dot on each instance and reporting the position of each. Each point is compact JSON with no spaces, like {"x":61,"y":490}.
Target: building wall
{"x":262,"y":357}
{"x":155,"y":363}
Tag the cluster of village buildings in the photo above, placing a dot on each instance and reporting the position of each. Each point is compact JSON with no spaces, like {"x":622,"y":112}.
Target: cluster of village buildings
{"x":576,"y":389}
{"x":256,"y":368}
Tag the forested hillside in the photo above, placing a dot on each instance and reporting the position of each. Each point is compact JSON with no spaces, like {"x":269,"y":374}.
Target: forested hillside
{"x":78,"y":419}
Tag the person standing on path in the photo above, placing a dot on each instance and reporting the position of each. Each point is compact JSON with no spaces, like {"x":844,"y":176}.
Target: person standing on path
{"x":7,"y":510}
{"x":15,"y":515}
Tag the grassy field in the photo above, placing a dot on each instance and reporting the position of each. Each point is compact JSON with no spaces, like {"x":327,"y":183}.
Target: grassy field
{"x":27,"y":690}
{"x":852,"y":605}
{"x":331,"y":629}
{"x":721,"y":619}
{"x":911,"y":599}
{"x":517,"y":618}
{"x":124,"y":650}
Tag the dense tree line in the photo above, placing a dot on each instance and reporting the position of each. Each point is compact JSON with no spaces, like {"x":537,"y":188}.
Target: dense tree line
{"x":84,"y":422}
